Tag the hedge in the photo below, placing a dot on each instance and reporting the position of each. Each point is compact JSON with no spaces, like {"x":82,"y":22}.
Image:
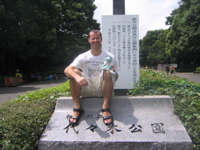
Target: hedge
{"x":23,"y":120}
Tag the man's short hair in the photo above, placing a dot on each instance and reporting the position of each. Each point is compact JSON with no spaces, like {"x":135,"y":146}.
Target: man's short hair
{"x":94,"y":31}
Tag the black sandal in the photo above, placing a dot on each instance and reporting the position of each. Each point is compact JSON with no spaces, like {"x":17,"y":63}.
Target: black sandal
{"x":107,"y":117}
{"x":81,"y":111}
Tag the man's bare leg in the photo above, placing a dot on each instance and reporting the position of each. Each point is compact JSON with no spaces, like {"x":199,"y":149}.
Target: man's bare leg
{"x":76,"y":93}
{"x":107,"y":88}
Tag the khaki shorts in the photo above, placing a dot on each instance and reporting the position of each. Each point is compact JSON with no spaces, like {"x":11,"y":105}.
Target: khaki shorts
{"x":94,"y":88}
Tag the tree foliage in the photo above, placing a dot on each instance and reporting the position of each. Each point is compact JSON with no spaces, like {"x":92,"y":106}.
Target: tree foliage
{"x":184,"y":33}
{"x":152,"y":48}
{"x":180,"y":42}
{"x":44,"y":32}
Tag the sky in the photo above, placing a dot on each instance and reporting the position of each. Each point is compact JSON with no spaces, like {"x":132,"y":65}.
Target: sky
{"x":152,"y":13}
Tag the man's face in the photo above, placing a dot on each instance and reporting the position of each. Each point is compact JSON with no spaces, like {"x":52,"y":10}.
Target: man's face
{"x":95,"y":40}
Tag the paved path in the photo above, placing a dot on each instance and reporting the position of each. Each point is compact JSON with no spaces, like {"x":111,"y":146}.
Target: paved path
{"x":190,"y":77}
{"x":9,"y":93}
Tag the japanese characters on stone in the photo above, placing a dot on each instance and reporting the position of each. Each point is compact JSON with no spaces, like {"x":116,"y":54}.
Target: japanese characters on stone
{"x":120,"y":37}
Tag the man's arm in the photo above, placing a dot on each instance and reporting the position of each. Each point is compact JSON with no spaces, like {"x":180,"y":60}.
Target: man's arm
{"x":73,"y":72}
{"x":70,"y":72}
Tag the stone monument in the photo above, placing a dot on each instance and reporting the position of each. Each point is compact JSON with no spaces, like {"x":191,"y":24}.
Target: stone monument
{"x":140,"y":123}
{"x":121,"y":37}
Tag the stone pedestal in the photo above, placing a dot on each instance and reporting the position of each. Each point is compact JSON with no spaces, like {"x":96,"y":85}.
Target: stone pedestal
{"x":140,"y":123}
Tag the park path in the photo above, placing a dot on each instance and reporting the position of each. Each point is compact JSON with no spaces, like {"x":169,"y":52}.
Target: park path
{"x":9,"y":93}
{"x":190,"y":77}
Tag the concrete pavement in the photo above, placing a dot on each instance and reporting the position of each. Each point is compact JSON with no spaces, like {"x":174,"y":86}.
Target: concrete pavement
{"x":9,"y":93}
{"x":190,"y":77}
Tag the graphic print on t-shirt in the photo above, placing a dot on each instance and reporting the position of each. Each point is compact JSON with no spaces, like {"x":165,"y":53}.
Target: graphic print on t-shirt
{"x":94,"y":69}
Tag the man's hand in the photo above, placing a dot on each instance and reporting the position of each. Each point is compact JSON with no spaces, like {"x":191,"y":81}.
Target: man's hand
{"x":112,"y":68}
{"x":81,"y":81}
{"x":75,"y":73}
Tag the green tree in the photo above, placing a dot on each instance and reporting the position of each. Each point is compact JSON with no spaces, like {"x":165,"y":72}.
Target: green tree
{"x":152,"y":48}
{"x":44,"y":32}
{"x":182,"y":39}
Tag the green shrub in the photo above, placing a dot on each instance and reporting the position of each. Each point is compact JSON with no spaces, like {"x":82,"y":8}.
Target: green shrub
{"x":198,"y":69}
{"x":23,"y":120}
{"x":185,"y":96}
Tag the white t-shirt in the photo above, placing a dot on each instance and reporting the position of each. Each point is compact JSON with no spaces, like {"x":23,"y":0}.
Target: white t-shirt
{"x":91,"y":65}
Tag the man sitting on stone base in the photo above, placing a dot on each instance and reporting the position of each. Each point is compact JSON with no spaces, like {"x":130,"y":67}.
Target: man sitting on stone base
{"x":89,"y":79}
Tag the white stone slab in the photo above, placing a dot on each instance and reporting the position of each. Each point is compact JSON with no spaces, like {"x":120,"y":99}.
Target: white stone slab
{"x":144,"y":111}
{"x":121,"y":38}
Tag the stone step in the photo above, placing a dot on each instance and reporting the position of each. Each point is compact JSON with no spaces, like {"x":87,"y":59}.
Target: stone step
{"x":140,"y":123}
